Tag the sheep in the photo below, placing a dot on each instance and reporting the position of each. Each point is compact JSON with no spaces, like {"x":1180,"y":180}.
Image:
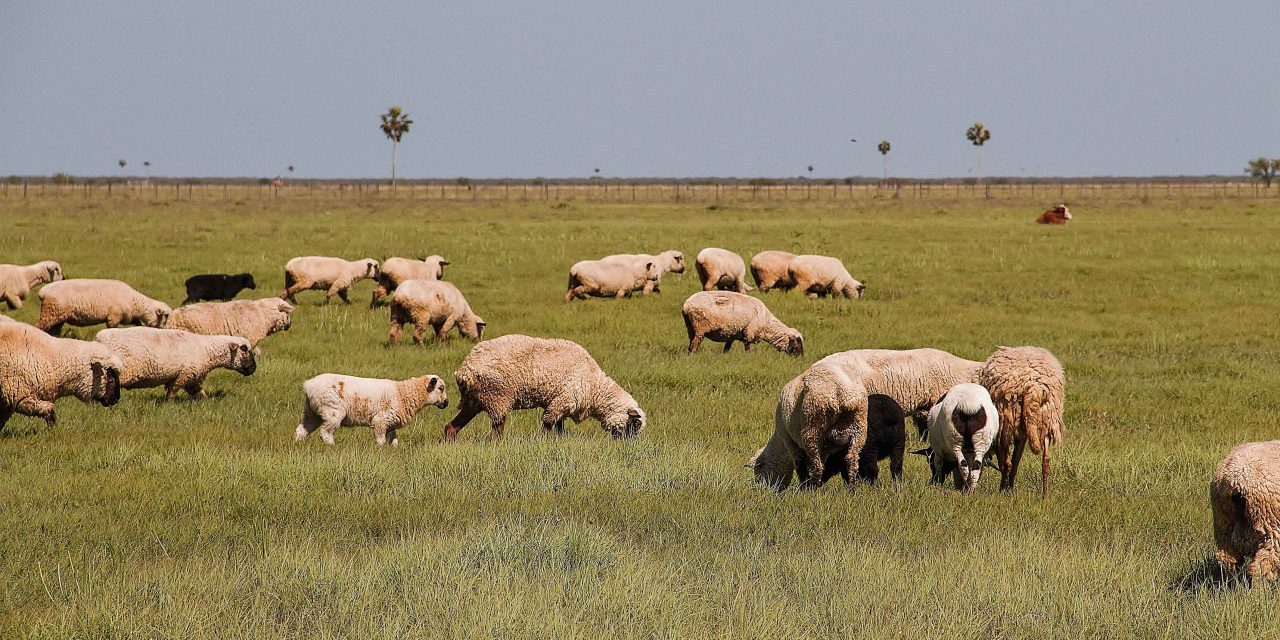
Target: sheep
{"x":175,"y":359}
{"x":771,"y":270}
{"x":558,"y":376}
{"x":334,"y":275}
{"x":671,"y":261}
{"x":1246,"y":515}
{"x":396,"y":270}
{"x":725,"y":316}
{"x":436,"y":303}
{"x":217,"y":286}
{"x":822,"y":276}
{"x":607,"y":279}
{"x":36,"y":369}
{"x":331,"y":400}
{"x":721,"y":269}
{"x":886,"y":438}
{"x":83,"y":302}
{"x":962,"y":428}
{"x":4,"y":318}
{"x":825,"y":409}
{"x":252,"y":320}
{"x":1028,"y":386}
{"x":16,"y":281}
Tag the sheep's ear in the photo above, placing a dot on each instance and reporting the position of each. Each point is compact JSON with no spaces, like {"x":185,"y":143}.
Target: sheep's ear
{"x":444,"y":263}
{"x":648,"y":266}
{"x":432,"y":383}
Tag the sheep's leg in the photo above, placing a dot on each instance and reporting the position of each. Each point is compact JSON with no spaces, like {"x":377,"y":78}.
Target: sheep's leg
{"x":379,"y":432}
{"x":868,"y":469}
{"x":1013,"y":462}
{"x":5,"y":414}
{"x":695,"y":342}
{"x":13,"y":300}
{"x":553,"y":419}
{"x":1002,"y":462}
{"x":499,"y":423}
{"x":310,"y":422}
{"x":293,"y":290}
{"x":895,"y":461}
{"x":342,"y":293}
{"x":196,"y":390}
{"x":443,"y":329}
{"x":396,"y":327}
{"x":333,"y":291}
{"x":171,"y":391}
{"x":114,"y":320}
{"x":38,"y":408}
{"x":328,"y":429}
{"x":393,"y":438}
{"x":728,"y":345}
{"x":746,"y":346}
{"x":1266,"y":562}
{"x":378,"y":294}
{"x":465,"y":413}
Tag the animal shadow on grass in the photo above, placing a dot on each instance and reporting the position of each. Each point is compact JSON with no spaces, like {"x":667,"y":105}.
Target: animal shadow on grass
{"x":1207,"y":576}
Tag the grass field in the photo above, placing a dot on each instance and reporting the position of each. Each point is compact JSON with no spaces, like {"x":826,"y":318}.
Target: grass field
{"x":197,"y":520}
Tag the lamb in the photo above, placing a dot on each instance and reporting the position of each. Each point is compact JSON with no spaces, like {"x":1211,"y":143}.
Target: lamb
{"x":16,"y":281}
{"x":331,"y":400}
{"x":772,"y":270}
{"x":558,"y":376}
{"x":671,"y":261}
{"x":1246,"y":514}
{"x":217,"y":286}
{"x":252,"y":320}
{"x":84,"y":302}
{"x":395,"y":271}
{"x":725,"y":316}
{"x":822,"y":276}
{"x":334,"y":275}
{"x":174,"y":359}
{"x":962,"y":428}
{"x":436,"y":303}
{"x":721,"y":269}
{"x":36,"y":369}
{"x":602,"y":279}
{"x":1028,"y":386}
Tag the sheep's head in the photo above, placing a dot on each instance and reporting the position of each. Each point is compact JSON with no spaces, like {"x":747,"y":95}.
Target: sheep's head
{"x":105,"y":374}
{"x":52,"y":271}
{"x":677,"y":261}
{"x":473,"y":327}
{"x":854,"y":289}
{"x":160,"y":315}
{"x":626,"y":424}
{"x":246,"y":281}
{"x":439,"y":262}
{"x":436,"y":393}
{"x":795,"y":343}
{"x":370,"y":268}
{"x":773,"y":465}
{"x":242,"y":359}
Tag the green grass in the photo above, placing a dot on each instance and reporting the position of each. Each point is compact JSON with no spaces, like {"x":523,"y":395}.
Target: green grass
{"x":196,"y":520}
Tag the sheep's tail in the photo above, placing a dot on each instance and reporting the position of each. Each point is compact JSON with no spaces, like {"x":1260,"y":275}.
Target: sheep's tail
{"x":1044,"y":469}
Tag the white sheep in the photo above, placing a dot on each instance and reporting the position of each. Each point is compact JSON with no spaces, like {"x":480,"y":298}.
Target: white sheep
{"x":558,"y":376}
{"x":331,"y":400}
{"x":721,"y":269}
{"x":600,"y":279}
{"x":671,"y":261}
{"x":962,"y":428}
{"x":433,"y":303}
{"x":36,"y":369}
{"x":83,"y":302}
{"x":1245,"y":497}
{"x":16,"y":281}
{"x":772,"y":270}
{"x":1028,"y":386}
{"x":252,"y":320}
{"x":396,"y":270}
{"x":175,"y":359}
{"x":335,"y":276}
{"x":822,"y":276}
{"x":725,"y":316}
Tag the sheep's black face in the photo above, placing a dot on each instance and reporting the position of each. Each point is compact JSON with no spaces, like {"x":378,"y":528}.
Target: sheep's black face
{"x":108,"y":379}
{"x":795,"y":346}
{"x":247,"y":281}
{"x":244,"y":356}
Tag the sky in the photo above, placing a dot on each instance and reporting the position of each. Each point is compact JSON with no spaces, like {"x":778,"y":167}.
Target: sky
{"x":655,"y":88}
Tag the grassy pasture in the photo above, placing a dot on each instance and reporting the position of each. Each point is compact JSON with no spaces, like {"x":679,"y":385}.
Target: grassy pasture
{"x":194,"y":520}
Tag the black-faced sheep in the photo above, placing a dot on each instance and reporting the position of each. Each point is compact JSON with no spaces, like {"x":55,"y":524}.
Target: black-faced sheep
{"x":962,"y":428}
{"x":822,"y":276}
{"x":217,"y":286}
{"x":721,"y":269}
{"x":434,"y":303}
{"x":1028,"y":387}
{"x":600,"y":279}
{"x":772,"y":270}
{"x":331,"y":400}
{"x":36,"y":369}
{"x":1245,"y":497}
{"x":334,"y":276}
{"x":252,"y":320}
{"x":395,"y":271}
{"x":174,"y":359}
{"x":725,"y":316}
{"x":16,"y":281}
{"x":671,"y":261}
{"x":84,"y":302}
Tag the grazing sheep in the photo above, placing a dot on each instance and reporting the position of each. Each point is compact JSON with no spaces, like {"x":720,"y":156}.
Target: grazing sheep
{"x":334,"y":275}
{"x":82,"y":302}
{"x":962,"y":428}
{"x":772,"y":270}
{"x":175,"y":359}
{"x":16,"y":281}
{"x":825,"y":409}
{"x":558,"y":376}
{"x":1028,"y":386}
{"x":36,"y":369}
{"x":1057,"y":215}
{"x":332,"y":400}
{"x":886,"y":438}
{"x":217,"y":286}
{"x":725,"y":316}
{"x":822,"y":276}
{"x":252,"y":320}
{"x":600,"y":279}
{"x":671,"y":261}
{"x":436,"y":303}
{"x":721,"y":269}
{"x":1245,"y":496}
{"x":395,"y":271}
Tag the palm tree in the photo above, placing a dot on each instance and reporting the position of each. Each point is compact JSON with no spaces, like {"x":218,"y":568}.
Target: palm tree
{"x":122,"y":164}
{"x":147,"y":164}
{"x":978,"y":135}
{"x":1263,"y":169}
{"x":395,"y":123}
{"x":884,"y":152}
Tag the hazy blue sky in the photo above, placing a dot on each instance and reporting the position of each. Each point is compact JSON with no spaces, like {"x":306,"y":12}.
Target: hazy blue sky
{"x":684,"y":88}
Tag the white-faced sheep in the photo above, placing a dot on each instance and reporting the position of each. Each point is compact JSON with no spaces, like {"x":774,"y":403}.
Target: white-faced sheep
{"x":822,"y":276}
{"x":335,"y":276}
{"x":1245,"y":497}
{"x":725,"y":316}
{"x":433,"y":303}
{"x":772,"y":270}
{"x":721,"y":269}
{"x":83,"y":302}
{"x":600,"y":279}
{"x":558,"y":376}
{"x":36,"y":369}
{"x":1028,"y":386}
{"x":175,"y":359}
{"x":671,"y":261}
{"x":331,"y":400}
{"x":252,"y":320}
{"x":395,"y":271}
{"x":963,"y":426}
{"x":16,"y":281}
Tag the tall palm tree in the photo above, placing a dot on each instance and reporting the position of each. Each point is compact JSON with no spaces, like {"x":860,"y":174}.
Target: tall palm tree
{"x":884,"y":152}
{"x":395,"y":123}
{"x":122,"y":164}
{"x":147,"y":164}
{"x":978,"y":135}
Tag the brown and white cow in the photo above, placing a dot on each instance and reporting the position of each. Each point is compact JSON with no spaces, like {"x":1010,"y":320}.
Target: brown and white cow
{"x":1057,"y":215}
